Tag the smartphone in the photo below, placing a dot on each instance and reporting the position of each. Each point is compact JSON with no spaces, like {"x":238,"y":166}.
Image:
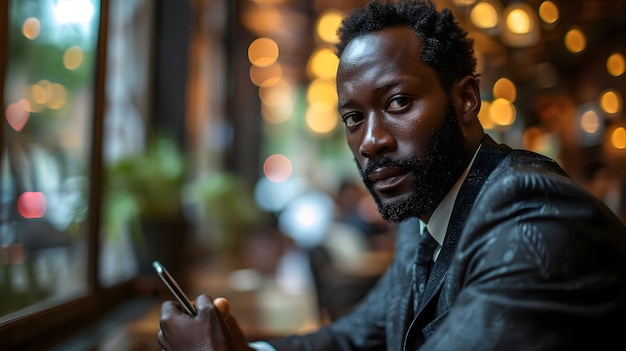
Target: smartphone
{"x":174,"y":288}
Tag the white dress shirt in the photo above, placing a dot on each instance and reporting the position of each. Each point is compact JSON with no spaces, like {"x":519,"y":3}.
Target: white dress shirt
{"x":438,"y":222}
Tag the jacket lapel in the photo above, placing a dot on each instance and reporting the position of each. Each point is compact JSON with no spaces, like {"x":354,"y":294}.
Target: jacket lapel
{"x":405,"y":253}
{"x":489,"y":156}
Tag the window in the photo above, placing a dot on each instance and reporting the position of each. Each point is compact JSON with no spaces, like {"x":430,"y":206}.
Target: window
{"x":46,"y":145}
{"x":52,"y":73}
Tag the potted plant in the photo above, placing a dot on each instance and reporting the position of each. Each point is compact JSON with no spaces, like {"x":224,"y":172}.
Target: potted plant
{"x":144,"y":192}
{"x":225,"y":207}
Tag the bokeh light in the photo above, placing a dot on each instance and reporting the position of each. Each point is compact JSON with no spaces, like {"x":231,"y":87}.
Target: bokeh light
{"x":277,"y":114}
{"x":505,"y":89}
{"x":321,"y":118}
{"x":611,"y":102}
{"x":263,"y":52}
{"x":31,"y":204}
{"x":274,"y":197}
{"x":575,"y":41}
{"x":307,"y":218}
{"x":616,"y":64}
{"x":17,"y":114}
{"x":277,"y":168}
{"x":484,"y":117}
{"x":327,"y":25}
{"x":548,"y":12}
{"x":266,"y":76}
{"x":590,"y":121}
{"x":31,"y":28}
{"x":518,"y":21}
{"x":276,"y":94}
{"x":618,"y":138}
{"x":484,"y":15}
{"x":322,"y":91}
{"x":323,"y":64}
{"x":73,"y":57}
{"x":73,"y":11}
{"x":502,"y":112}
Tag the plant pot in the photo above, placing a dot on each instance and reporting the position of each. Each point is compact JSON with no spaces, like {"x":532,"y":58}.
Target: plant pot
{"x":165,"y":240}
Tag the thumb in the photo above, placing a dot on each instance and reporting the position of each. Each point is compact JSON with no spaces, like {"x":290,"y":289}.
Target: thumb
{"x":237,"y":336}
{"x":223,"y":306}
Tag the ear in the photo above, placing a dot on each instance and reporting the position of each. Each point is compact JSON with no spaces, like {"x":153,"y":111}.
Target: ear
{"x":465,"y":96}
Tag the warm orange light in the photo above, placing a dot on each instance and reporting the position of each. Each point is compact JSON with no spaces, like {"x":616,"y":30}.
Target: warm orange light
{"x":611,"y":102}
{"x":590,"y":122}
{"x":616,"y":64}
{"x":266,"y":76}
{"x":321,"y":118}
{"x":276,"y":94}
{"x":327,"y":26}
{"x":484,"y":117}
{"x":463,"y":2}
{"x":518,"y":21}
{"x":73,"y":57}
{"x":323,"y":91}
{"x":575,"y":41}
{"x":263,"y":52}
{"x":548,"y":12}
{"x":57,"y":96}
{"x":504,"y":88}
{"x":484,"y":15}
{"x":531,"y":139}
{"x":38,"y":92}
{"x":277,"y":114}
{"x":31,"y":28}
{"x":323,"y":64}
{"x":502,"y":112}
{"x":618,"y":138}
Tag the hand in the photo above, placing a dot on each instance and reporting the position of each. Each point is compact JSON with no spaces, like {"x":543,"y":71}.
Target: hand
{"x":214,"y":328}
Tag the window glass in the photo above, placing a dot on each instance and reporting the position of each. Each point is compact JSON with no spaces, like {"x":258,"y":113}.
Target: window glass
{"x":125,"y":119}
{"x":45,"y":152}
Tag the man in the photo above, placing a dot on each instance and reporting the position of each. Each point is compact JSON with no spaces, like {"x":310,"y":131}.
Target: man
{"x":524,"y":259}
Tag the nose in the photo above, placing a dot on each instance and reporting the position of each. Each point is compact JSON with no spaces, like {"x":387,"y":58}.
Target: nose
{"x":377,"y":138}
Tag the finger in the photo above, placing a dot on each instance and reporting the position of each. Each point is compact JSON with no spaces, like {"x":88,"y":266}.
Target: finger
{"x":205,"y":306}
{"x":165,"y":345}
{"x":169,"y":307}
{"x":223,"y":306}
{"x":203,"y":301}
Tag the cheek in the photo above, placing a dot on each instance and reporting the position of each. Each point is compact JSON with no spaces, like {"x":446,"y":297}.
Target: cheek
{"x":353,"y":140}
{"x":412,"y":140}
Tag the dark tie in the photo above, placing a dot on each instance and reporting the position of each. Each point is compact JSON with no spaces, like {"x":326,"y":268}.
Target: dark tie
{"x":423,"y":265}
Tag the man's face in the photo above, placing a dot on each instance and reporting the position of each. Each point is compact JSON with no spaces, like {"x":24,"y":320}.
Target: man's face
{"x":400,"y":125}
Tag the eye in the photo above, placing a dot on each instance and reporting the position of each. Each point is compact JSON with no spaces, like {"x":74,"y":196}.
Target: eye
{"x":398,"y":103}
{"x":352,"y":119}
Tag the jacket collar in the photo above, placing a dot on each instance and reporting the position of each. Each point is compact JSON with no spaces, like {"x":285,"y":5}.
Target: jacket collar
{"x":485,"y":161}
{"x":438,"y":222}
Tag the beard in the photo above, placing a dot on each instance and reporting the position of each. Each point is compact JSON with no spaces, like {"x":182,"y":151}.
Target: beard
{"x":434,"y":177}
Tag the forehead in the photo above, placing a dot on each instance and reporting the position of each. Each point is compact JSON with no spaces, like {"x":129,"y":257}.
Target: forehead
{"x":390,"y":42}
{"x":380,"y":58}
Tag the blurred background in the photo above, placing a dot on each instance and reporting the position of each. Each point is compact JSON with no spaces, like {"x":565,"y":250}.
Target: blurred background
{"x":203,"y":133}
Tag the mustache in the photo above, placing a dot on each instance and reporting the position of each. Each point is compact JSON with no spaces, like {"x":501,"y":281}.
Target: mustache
{"x":382,"y":162}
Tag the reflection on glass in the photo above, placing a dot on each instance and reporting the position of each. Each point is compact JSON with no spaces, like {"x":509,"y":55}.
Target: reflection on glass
{"x":45,"y":155}
{"x":128,"y":87}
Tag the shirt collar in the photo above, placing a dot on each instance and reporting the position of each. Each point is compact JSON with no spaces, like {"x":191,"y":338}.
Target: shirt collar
{"x":438,"y":222}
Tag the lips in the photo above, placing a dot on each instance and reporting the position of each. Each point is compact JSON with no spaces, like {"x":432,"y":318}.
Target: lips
{"x":387,"y":178}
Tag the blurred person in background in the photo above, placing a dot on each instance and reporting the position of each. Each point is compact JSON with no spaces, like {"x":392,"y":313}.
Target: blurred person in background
{"x":355,"y":252}
{"x":523,"y":258}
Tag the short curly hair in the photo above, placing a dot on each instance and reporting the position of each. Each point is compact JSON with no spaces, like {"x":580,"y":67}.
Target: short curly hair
{"x":446,"y":47}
